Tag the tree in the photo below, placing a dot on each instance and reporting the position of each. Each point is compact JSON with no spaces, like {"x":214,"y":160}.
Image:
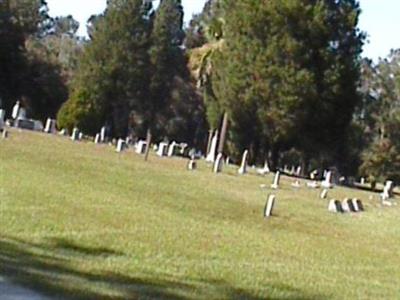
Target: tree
{"x":112,"y":81}
{"x":380,"y":116}
{"x":288,"y":76}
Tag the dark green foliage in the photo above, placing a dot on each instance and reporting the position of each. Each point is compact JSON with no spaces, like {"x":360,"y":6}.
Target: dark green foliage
{"x":288,"y":76}
{"x":112,"y":81}
{"x":27,"y":69}
{"x":380,"y":117}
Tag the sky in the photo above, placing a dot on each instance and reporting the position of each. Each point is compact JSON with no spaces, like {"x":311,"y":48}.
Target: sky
{"x":379,"y":19}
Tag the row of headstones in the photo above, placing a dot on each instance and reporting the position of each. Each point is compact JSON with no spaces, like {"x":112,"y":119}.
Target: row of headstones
{"x":347,"y":205}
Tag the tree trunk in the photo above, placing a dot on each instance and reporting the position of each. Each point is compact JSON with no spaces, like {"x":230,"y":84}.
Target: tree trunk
{"x":148,"y":142}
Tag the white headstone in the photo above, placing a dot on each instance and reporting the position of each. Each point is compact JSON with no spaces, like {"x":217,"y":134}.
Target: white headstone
{"x":348,"y":205}
{"x":120,"y":145}
{"x":277,"y":178}
{"x":218,"y":163}
{"x":2,"y":117}
{"x":5,"y":134}
{"x":264,"y":170}
{"x":192,"y":165}
{"x":327,"y":182}
{"x":103,"y":134}
{"x":362,"y":181}
{"x":141,"y":147}
{"x":97,"y":139}
{"x":80,"y":136}
{"x":171,"y":149}
{"x":50,"y":126}
{"x":357,"y":204}
{"x":296,"y":184}
{"x":335,"y":206}
{"x":387,"y":190}
{"x":213,"y":148}
{"x":15,"y":110}
{"x":243,"y":167}
{"x":324,"y":194}
{"x":75,"y":134}
{"x":162,"y":149}
{"x":298,"y":171}
{"x":269,"y":206}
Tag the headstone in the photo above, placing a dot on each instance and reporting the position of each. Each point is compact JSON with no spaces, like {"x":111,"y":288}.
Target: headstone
{"x":103,"y":132}
{"x":358,"y":205}
{"x":348,"y":205}
{"x":277,"y":178}
{"x":141,"y":147}
{"x":192,"y":165}
{"x":80,"y":136}
{"x":387,"y":190}
{"x":50,"y":126}
{"x":362,"y":181}
{"x":120,"y":145}
{"x":183,"y":149}
{"x":298,"y":171}
{"x":327,"y":182}
{"x":269,"y":206}
{"x":97,"y":139}
{"x":15,"y":110}
{"x":62,"y":132}
{"x":335,"y":206}
{"x":243,"y":167}
{"x":324,"y":194}
{"x":5,"y":134}
{"x":171,"y":149}
{"x":162,"y":149}
{"x":296,"y":184}
{"x":314,"y":174}
{"x":264,"y":170}
{"x":2,"y":118}
{"x":75,"y":134}
{"x":217,"y":168}
{"x":213,"y":148}
{"x":228,"y":161}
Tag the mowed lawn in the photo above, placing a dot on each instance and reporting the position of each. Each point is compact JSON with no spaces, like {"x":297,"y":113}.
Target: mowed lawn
{"x":79,"y":221}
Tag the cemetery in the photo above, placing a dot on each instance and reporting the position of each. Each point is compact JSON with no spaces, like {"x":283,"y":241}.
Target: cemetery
{"x":208,"y":149}
{"x":80,"y":220}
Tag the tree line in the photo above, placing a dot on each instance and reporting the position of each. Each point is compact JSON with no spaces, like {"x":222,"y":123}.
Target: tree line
{"x":287,"y":76}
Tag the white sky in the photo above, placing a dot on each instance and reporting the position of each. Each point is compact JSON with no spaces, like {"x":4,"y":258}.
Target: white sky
{"x":380,"y":19}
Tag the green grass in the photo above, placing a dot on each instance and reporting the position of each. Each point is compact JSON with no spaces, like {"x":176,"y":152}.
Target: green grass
{"x":79,"y":221}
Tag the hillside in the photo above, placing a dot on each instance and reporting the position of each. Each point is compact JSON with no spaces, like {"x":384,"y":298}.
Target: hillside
{"x":79,"y":221}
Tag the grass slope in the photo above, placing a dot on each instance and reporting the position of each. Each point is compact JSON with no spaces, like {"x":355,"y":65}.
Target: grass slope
{"x":79,"y":221}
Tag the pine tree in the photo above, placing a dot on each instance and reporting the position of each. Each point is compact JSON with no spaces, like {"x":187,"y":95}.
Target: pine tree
{"x":113,"y":77}
{"x":288,"y":75}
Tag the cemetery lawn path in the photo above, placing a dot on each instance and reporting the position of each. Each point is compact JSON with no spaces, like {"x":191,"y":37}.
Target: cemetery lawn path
{"x":79,"y":221}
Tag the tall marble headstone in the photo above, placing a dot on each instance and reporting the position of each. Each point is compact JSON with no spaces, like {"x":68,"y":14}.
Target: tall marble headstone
{"x":217,"y":168}
{"x":277,"y":177}
{"x":269,"y":206}
{"x":327,"y":182}
{"x":213,"y":148}
{"x":243,"y":166}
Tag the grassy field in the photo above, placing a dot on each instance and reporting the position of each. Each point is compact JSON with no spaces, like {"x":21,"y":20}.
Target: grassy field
{"x":79,"y":221}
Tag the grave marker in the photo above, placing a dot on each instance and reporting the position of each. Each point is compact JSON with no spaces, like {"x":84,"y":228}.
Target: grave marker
{"x":217,"y":168}
{"x":213,"y":148}
{"x":243,"y":167}
{"x":335,"y":206}
{"x":269,"y":206}
{"x":277,"y":178}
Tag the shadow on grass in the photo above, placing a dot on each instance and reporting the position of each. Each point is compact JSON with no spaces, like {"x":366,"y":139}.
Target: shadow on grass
{"x":47,"y":269}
